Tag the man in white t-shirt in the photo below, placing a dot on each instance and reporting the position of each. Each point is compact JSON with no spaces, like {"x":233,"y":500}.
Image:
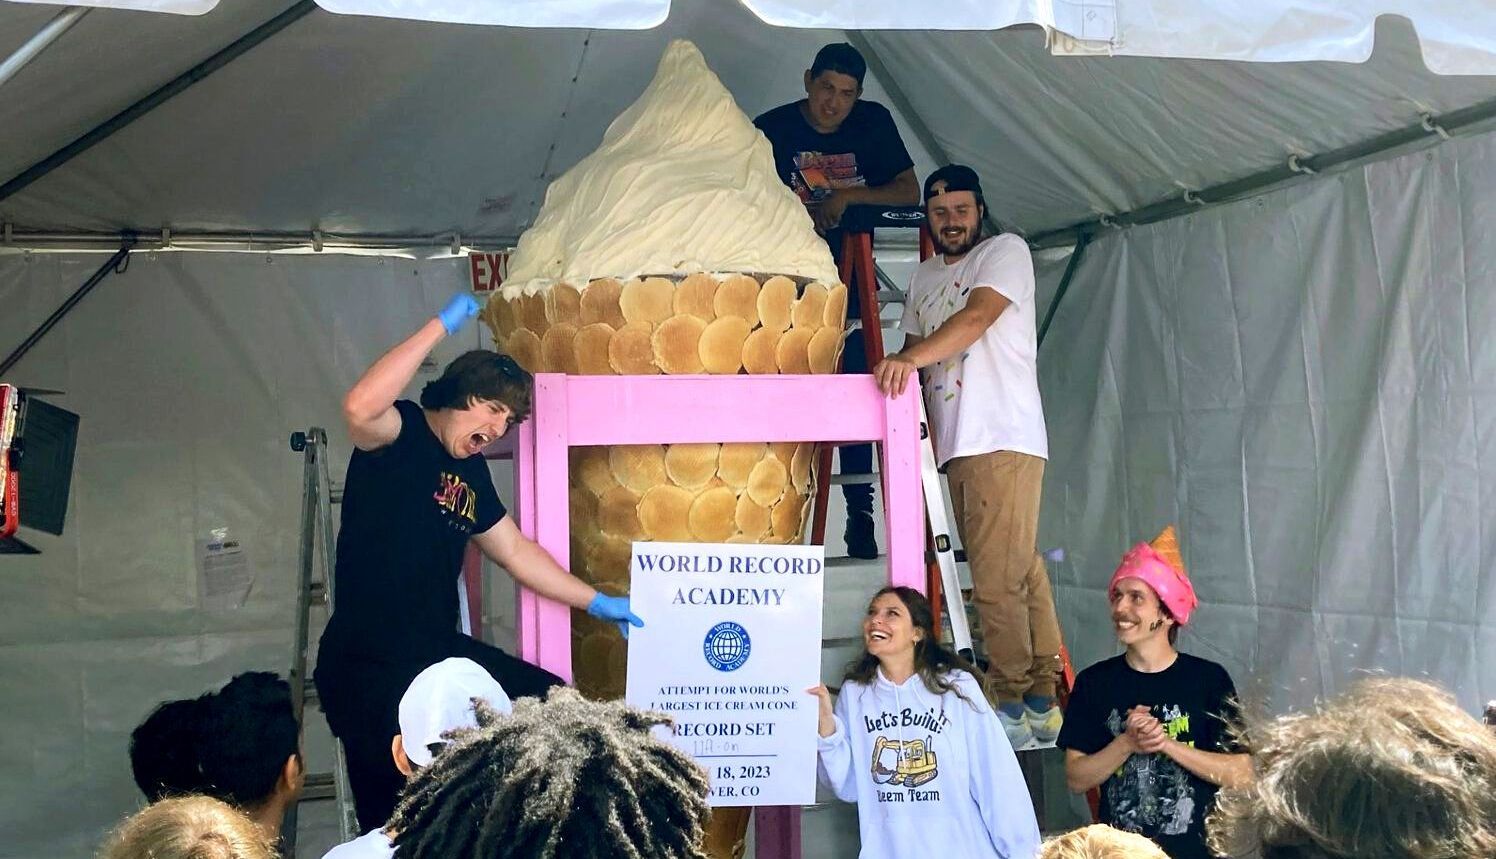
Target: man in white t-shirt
{"x":969,"y":330}
{"x":440,"y":699}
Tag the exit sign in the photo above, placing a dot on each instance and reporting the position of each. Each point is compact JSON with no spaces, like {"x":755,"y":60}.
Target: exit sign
{"x":488,"y":270}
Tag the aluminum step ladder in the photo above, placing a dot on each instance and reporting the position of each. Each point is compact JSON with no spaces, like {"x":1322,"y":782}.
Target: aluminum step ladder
{"x":313,"y":593}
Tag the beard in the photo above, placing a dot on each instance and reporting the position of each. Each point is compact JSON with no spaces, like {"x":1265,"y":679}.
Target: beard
{"x":961,"y":246}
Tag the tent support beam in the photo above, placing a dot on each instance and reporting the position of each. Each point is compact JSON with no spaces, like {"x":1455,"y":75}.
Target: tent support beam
{"x":1427,"y":133}
{"x":907,"y":110}
{"x":116,"y":263}
{"x":140,"y":108}
{"x":258,"y":240}
{"x":41,"y":41}
{"x":1082,"y":239}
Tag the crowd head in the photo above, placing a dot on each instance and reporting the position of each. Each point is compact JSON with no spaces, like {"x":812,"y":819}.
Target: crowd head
{"x":563,"y":777}
{"x":1391,"y":769}
{"x":239,"y":744}
{"x":189,"y":827}
{"x":1101,"y":842}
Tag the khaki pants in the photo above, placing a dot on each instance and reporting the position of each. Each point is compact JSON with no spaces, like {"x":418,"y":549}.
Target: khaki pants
{"x":996,"y":496}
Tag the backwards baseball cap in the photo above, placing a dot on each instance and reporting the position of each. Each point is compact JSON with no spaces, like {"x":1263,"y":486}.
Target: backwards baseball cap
{"x":957,"y":177}
{"x":1160,"y":566}
{"x":440,"y":699}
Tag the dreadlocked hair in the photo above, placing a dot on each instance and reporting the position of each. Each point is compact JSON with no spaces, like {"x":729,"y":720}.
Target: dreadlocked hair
{"x":565,"y":778}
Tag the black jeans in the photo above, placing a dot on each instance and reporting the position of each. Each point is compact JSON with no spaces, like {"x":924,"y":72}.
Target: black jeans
{"x":361,"y":697}
{"x":857,"y":458}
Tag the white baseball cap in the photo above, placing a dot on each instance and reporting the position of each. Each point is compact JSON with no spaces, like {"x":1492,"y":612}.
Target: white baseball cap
{"x":440,"y":699}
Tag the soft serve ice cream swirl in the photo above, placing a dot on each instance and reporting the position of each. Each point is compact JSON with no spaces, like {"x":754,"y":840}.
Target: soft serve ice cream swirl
{"x":682,"y":182}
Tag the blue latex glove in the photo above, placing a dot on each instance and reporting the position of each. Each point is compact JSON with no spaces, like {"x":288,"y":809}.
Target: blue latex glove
{"x":615,"y":609}
{"x":459,"y":310}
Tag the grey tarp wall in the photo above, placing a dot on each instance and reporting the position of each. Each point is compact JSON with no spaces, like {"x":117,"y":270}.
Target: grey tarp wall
{"x":1305,"y":382}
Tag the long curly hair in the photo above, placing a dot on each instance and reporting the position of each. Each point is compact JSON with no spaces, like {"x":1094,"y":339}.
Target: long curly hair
{"x":933,"y":662}
{"x":565,"y":778}
{"x":1392,"y":769}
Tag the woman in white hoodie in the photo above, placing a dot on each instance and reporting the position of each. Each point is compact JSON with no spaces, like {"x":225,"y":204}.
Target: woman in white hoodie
{"x":913,"y":741}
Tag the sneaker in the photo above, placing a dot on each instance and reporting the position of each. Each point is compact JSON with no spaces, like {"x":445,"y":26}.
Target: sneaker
{"x":859,"y":535}
{"x":1017,"y":728}
{"x":1044,"y":724}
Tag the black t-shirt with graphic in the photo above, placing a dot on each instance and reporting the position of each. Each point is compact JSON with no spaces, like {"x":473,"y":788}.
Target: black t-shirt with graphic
{"x":865,"y":150}
{"x":408,"y":511}
{"x":1150,"y":794}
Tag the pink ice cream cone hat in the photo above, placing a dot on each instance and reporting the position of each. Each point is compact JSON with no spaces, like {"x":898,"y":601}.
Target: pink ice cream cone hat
{"x":1161,"y":567}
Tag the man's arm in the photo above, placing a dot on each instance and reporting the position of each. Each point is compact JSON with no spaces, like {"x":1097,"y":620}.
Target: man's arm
{"x":532,"y":566}
{"x":1083,"y":771}
{"x":369,"y":406}
{"x":1223,"y":769}
{"x":953,"y":337}
{"x":903,"y":190}
{"x":1218,"y":768}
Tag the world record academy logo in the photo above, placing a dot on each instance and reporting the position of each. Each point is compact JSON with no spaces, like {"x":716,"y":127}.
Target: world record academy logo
{"x":727,"y":646}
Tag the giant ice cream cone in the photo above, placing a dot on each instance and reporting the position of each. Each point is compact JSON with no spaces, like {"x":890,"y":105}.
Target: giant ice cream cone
{"x":673,"y":248}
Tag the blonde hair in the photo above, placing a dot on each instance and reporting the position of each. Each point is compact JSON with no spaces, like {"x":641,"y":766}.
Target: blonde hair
{"x":1392,"y":769}
{"x":189,"y":827}
{"x":1101,"y":842}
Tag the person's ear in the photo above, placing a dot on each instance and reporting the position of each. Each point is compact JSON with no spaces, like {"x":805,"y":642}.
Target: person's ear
{"x":808,"y":80}
{"x":402,"y":761}
{"x":293,"y":775}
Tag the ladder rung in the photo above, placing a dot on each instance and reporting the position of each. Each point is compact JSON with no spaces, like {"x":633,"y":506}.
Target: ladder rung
{"x":318,"y":786}
{"x":843,"y":561}
{"x":854,"y":479}
{"x":318,"y":593}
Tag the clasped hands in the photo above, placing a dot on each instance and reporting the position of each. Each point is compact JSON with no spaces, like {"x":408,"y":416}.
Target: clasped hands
{"x":1144,"y":732}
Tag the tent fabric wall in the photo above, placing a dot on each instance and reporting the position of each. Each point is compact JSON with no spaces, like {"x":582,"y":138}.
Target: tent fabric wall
{"x":1302,"y":381}
{"x":1061,"y":140}
{"x":189,"y":372}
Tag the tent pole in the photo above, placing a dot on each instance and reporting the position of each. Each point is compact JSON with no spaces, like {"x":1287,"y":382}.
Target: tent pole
{"x":38,"y":43}
{"x":250,"y":241}
{"x":1081,"y":240}
{"x":907,"y":110}
{"x":155,"y":99}
{"x":1431,"y":130}
{"x":116,"y":263}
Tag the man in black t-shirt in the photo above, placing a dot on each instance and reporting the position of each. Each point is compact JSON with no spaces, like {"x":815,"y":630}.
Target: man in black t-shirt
{"x":1150,"y":727}
{"x":417,"y":490}
{"x":833,"y":149}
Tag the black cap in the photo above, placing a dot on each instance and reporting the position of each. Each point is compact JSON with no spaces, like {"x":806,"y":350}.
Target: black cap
{"x":842,"y":58}
{"x":957,"y":177}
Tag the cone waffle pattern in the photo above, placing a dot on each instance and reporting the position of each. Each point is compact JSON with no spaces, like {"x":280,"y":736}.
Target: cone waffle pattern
{"x":703,"y":493}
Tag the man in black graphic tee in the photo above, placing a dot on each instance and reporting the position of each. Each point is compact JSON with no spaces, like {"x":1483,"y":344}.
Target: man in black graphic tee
{"x":417,"y":490}
{"x":1150,"y":727}
{"x":833,"y":149}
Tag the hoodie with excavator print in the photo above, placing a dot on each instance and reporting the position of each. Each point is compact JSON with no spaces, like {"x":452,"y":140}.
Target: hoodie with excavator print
{"x":928,"y":770}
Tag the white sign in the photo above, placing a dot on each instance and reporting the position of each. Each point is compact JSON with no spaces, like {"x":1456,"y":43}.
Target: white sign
{"x":732,"y":639}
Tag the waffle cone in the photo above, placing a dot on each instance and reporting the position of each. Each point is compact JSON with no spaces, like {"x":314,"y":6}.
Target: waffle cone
{"x":709,"y":493}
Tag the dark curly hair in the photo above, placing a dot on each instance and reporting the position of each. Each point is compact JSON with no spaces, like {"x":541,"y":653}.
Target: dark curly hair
{"x":565,"y":778}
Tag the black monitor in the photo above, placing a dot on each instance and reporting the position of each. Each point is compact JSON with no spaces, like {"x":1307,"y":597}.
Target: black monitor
{"x":42,"y":458}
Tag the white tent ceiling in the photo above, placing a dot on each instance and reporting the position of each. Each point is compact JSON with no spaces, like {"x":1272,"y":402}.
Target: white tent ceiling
{"x":368,"y":125}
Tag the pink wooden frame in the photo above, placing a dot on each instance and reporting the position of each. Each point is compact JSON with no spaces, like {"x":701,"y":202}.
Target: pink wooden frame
{"x":573,"y":411}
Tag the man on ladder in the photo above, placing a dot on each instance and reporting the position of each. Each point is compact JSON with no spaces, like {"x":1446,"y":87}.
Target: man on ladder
{"x":970,"y":328}
{"x":418,"y":488}
{"x":834,"y":148}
